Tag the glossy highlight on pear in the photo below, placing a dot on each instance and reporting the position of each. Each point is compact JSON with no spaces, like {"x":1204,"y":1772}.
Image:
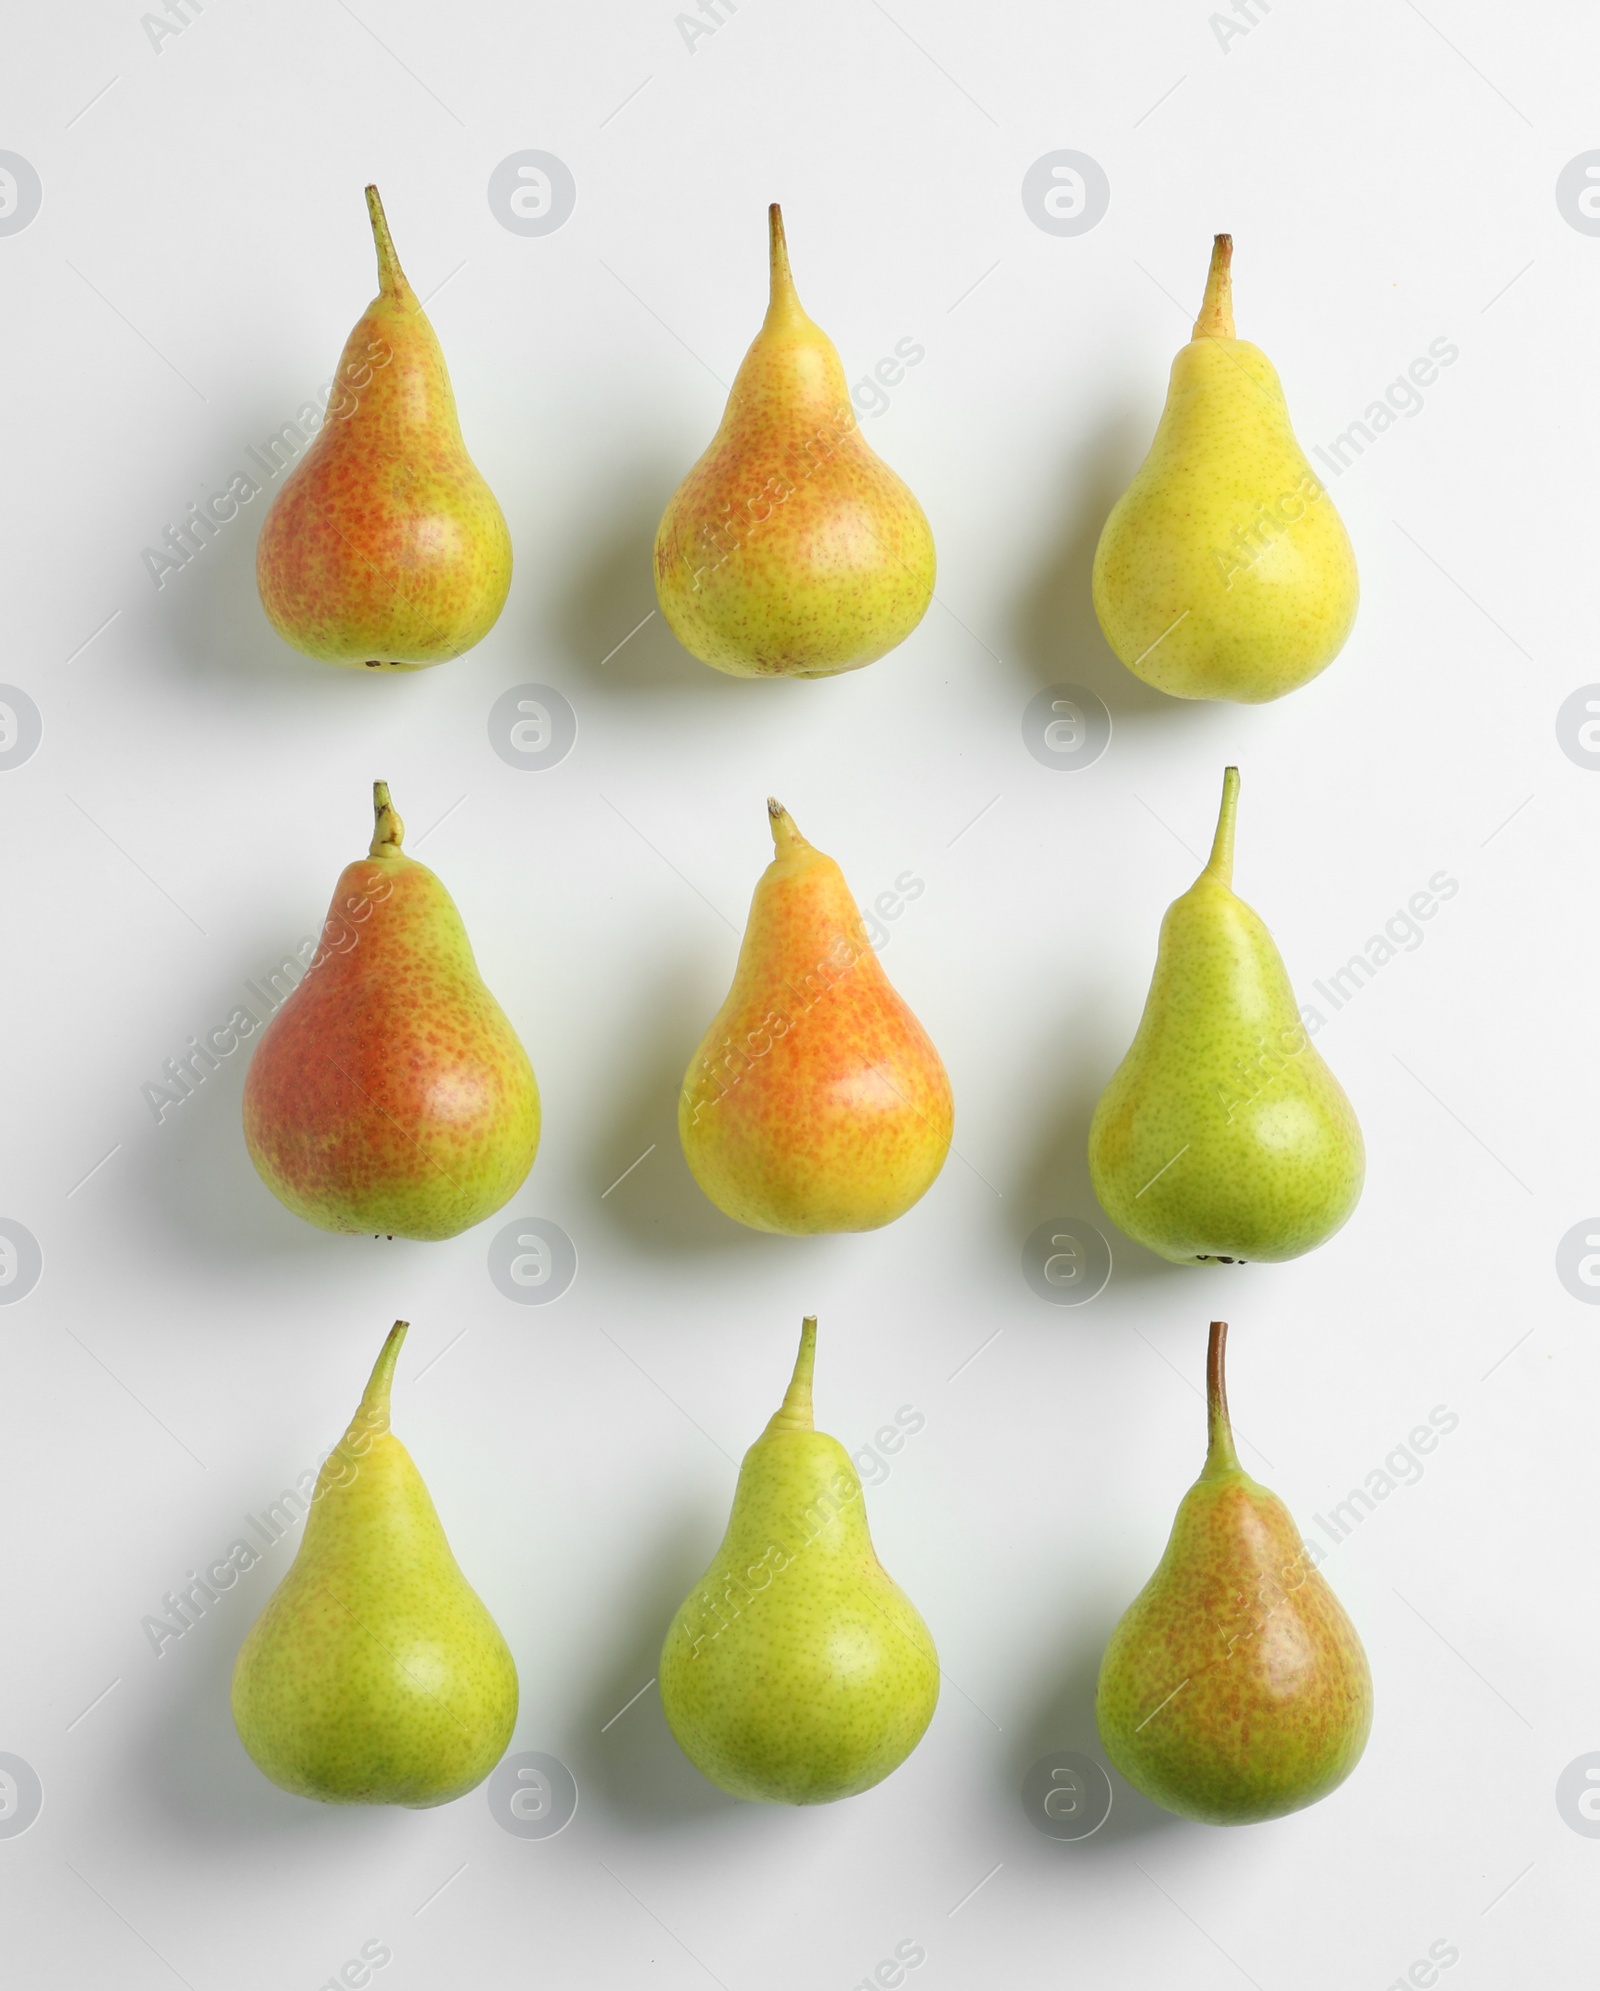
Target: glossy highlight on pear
{"x":797,"y":1671}
{"x":791,"y":549}
{"x":375,"y":1675}
{"x":1235,"y":1689}
{"x":385,"y":548}
{"x":816,"y":1101}
{"x":1223,"y":1136}
{"x":390,"y":1093}
{"x":1224,"y":570}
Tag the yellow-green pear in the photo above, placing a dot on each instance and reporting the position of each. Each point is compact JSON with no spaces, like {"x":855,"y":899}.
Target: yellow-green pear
{"x":1222,"y":1134}
{"x":1224,"y":570}
{"x":791,"y":549}
{"x":797,"y":1671}
{"x":375,"y":1675}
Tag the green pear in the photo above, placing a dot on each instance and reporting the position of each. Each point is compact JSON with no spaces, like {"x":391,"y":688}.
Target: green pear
{"x":791,"y":549}
{"x":1234,"y":1689}
{"x":797,"y":1671}
{"x":390,"y":1093}
{"x":1224,"y":570}
{"x":375,"y":1675}
{"x":1222,"y":1134}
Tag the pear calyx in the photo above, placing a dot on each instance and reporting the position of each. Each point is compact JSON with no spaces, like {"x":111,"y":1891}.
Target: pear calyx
{"x":391,"y":278}
{"x":1216,"y":308}
{"x":1220,"y":863}
{"x":388,"y":830}
{"x":1220,"y":1454}
{"x":795,"y":1412}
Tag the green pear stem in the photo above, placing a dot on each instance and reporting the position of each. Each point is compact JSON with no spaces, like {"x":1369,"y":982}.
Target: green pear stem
{"x":1220,"y":864}
{"x":795,"y":1413}
{"x":1216,"y":308}
{"x":388,"y":830}
{"x":372,"y":1414}
{"x":784,"y":303}
{"x":391,"y":278}
{"x":1220,"y":1455}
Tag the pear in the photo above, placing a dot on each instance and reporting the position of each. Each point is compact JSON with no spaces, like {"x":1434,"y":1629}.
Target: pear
{"x":1222,"y":1134}
{"x":1235,"y":1688}
{"x":1224,"y":570}
{"x":374,"y":1675}
{"x":385,"y":547}
{"x":797,"y":1671}
{"x":790,"y":549}
{"x":390,"y":1094}
{"x":816,"y":1101}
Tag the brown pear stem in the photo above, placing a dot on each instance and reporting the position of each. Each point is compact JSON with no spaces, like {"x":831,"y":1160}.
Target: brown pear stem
{"x":795,"y":1412}
{"x":372,"y":1416}
{"x":784,"y":301}
{"x":1220,"y":863}
{"x":388,"y":830}
{"x":391,"y":278}
{"x":1216,"y":308}
{"x":1220,"y":1455}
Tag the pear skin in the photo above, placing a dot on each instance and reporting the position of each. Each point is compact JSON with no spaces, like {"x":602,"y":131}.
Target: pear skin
{"x":374,"y":1675}
{"x":385,"y":548}
{"x":1224,"y":570}
{"x":816,"y":1101}
{"x":791,"y":549}
{"x":797,"y":1671}
{"x":1234,"y":1689}
{"x":390,"y":1093}
{"x":1222,"y":1134}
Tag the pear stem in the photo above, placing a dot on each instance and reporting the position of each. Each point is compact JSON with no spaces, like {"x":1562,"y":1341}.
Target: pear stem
{"x":786,"y":839}
{"x":388,"y":830}
{"x":1216,"y":308}
{"x":784,"y":302}
{"x":795,"y":1413}
{"x":1220,"y":1455}
{"x":372,"y":1416}
{"x":1220,"y":863}
{"x":391,"y":278}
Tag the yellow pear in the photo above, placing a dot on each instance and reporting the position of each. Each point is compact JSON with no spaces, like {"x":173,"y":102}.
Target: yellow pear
{"x":1224,"y":570}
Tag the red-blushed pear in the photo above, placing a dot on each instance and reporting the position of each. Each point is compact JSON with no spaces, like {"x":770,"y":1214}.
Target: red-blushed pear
{"x":390,"y":1093}
{"x":385,"y":548}
{"x":791,"y":549}
{"x":816,"y":1101}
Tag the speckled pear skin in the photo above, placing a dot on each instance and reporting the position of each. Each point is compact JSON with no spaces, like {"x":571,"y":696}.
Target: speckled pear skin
{"x":816,"y":1101}
{"x":375,"y":1675}
{"x":1227,"y":527}
{"x":385,"y":549}
{"x":1235,"y":1688}
{"x":791,"y":549}
{"x":390,"y":1093}
{"x":1222,"y":1134}
{"x":797,"y":1671}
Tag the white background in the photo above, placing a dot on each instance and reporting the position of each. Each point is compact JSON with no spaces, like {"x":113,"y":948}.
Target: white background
{"x":201,"y":252}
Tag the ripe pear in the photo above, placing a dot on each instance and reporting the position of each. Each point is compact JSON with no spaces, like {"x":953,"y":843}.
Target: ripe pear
{"x":1234,"y":1689}
{"x":1222,"y":1134}
{"x":816,"y":1101}
{"x":385,"y":548}
{"x":1224,"y":570}
{"x":791,"y":549}
{"x":797,"y":1671}
{"x":375,"y":1675}
{"x":390,"y":1094}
